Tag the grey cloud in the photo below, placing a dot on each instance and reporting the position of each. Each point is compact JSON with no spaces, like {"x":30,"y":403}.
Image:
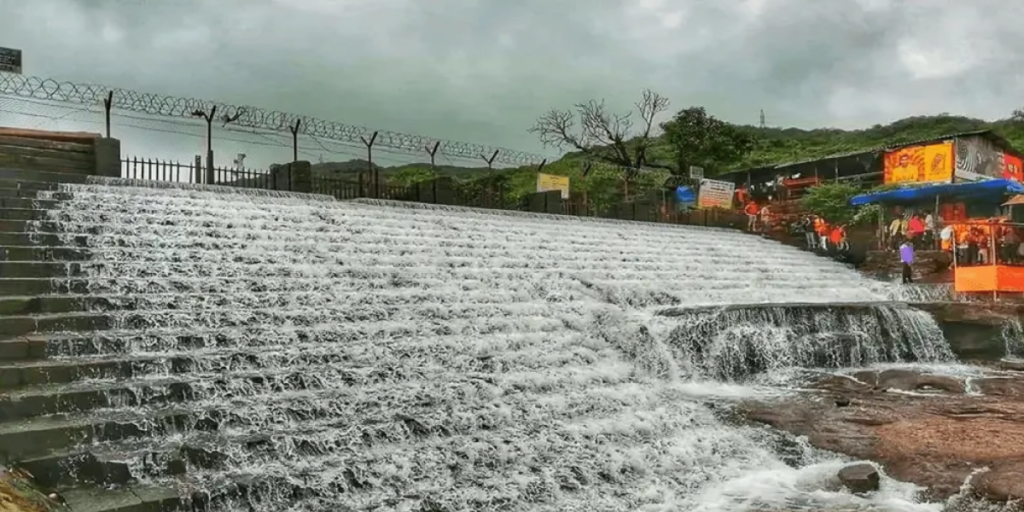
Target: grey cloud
{"x":481,"y":71}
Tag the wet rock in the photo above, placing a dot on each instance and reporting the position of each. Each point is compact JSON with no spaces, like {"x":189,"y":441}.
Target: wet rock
{"x":907,"y":380}
{"x":860,"y":478}
{"x":868,"y":378}
{"x":936,"y":440}
{"x":1003,"y":483}
{"x":999,"y":386}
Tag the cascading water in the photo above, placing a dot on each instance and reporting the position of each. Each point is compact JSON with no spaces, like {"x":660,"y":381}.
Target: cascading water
{"x":353,"y":355}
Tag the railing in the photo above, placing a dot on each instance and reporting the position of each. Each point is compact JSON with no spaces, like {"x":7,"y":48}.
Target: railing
{"x":439,"y":192}
{"x":346,"y":189}
{"x":195,"y":173}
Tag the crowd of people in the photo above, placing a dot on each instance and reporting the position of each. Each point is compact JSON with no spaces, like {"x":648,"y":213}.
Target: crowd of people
{"x":819,"y":234}
{"x":977,"y":242}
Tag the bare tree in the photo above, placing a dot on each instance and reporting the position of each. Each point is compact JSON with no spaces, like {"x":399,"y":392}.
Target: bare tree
{"x":591,"y":129}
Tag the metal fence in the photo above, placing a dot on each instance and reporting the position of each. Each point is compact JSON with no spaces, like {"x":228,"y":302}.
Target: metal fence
{"x":441,"y":191}
{"x":197,"y":173}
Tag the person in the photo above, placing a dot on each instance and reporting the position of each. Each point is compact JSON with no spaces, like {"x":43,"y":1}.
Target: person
{"x":751,"y":210}
{"x":907,"y":259}
{"x":810,"y":235}
{"x":946,"y":238}
{"x":897,"y":230}
{"x":929,"y":229}
{"x":823,"y":231}
{"x":1009,"y":245}
{"x":915,"y":229}
{"x":766,"y":215}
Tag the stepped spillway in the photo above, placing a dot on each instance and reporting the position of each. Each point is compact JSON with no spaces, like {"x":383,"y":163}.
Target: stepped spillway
{"x":265,"y":352}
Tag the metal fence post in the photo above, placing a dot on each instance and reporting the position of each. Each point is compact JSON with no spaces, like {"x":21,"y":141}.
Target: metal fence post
{"x":197,"y":170}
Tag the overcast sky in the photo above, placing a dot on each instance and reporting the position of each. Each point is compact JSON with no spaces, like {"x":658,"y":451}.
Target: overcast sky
{"x":481,"y":71}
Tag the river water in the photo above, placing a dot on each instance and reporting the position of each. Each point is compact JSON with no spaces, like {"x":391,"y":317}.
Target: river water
{"x":354,"y":355}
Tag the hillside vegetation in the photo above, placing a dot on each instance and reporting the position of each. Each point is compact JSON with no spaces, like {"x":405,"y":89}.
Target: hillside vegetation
{"x":604,"y":183}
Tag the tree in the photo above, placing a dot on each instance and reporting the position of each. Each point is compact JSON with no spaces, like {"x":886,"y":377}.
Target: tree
{"x":603,"y":135}
{"x":832,"y":202}
{"x":699,"y":139}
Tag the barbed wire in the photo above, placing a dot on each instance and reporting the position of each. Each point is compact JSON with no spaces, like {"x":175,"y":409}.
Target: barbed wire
{"x":43,"y":114}
{"x":92,"y":95}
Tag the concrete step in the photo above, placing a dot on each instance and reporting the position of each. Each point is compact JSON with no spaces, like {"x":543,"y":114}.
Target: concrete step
{"x":28,"y":202}
{"x":8,"y":192}
{"x":17,"y":326}
{"x":86,"y":396}
{"x":24,"y":239}
{"x":39,"y":269}
{"x":23,"y":214}
{"x":25,"y":348}
{"x":42,"y":253}
{"x":45,"y":175}
{"x":63,"y":370}
{"x":135,"y":498}
{"x":35,"y":286}
{"x":114,"y":343}
{"x":56,"y":371}
{"x":119,"y":464}
{"x":41,"y":436}
{"x":29,"y":226}
{"x":161,"y":391}
{"x":28,"y":184}
{"x":27,"y":305}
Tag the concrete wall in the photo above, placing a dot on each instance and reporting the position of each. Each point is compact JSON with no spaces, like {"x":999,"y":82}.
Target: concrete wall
{"x":59,"y":152}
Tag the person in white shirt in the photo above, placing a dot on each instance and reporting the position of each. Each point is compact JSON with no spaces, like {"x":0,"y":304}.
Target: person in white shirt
{"x":929,"y":228}
{"x":764,"y":216}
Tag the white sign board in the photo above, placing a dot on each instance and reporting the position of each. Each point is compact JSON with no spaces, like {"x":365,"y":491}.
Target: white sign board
{"x":696,"y":172}
{"x":715,"y":194}
{"x":10,"y":60}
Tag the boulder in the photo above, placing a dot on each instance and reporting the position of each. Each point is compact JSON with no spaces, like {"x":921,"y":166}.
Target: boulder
{"x":1001,"y":484}
{"x":860,"y":478}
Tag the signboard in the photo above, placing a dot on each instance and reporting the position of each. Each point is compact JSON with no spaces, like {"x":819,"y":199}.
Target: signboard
{"x":696,"y":172}
{"x":548,"y":182}
{"x":1013,"y":168}
{"x":920,"y":164}
{"x":715,"y":194}
{"x":10,"y":60}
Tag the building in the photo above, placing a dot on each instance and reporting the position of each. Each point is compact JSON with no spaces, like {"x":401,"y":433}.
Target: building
{"x":957,"y":157}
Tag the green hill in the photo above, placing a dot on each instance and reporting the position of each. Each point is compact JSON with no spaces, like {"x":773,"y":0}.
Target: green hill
{"x":604,"y":185}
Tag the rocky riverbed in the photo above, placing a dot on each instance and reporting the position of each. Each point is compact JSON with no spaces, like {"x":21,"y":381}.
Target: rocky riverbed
{"x":934,"y":429}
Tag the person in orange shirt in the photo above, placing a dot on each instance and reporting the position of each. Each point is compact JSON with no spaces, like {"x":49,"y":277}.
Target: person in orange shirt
{"x":823,"y":232}
{"x":751,"y":209}
{"x":835,"y":237}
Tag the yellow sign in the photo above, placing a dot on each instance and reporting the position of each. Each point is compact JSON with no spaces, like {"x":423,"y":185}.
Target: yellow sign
{"x":920,"y":164}
{"x":548,"y":182}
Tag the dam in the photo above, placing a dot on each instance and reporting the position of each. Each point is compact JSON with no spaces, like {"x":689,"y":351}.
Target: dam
{"x":171,"y":347}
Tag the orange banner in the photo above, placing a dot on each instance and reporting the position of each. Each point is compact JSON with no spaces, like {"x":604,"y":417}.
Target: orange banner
{"x":919,"y":164}
{"x":1013,"y":167}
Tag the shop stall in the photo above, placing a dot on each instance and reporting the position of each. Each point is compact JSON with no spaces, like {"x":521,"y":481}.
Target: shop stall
{"x":985,"y":242}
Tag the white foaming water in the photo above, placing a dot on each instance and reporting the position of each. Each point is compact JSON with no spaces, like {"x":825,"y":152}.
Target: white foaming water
{"x":359,"y":355}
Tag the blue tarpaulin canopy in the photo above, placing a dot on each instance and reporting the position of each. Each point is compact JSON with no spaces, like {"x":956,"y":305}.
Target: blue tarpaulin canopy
{"x":685,"y":195}
{"x":992,"y":188}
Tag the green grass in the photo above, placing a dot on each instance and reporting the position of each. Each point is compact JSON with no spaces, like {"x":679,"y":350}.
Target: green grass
{"x":775,"y":146}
